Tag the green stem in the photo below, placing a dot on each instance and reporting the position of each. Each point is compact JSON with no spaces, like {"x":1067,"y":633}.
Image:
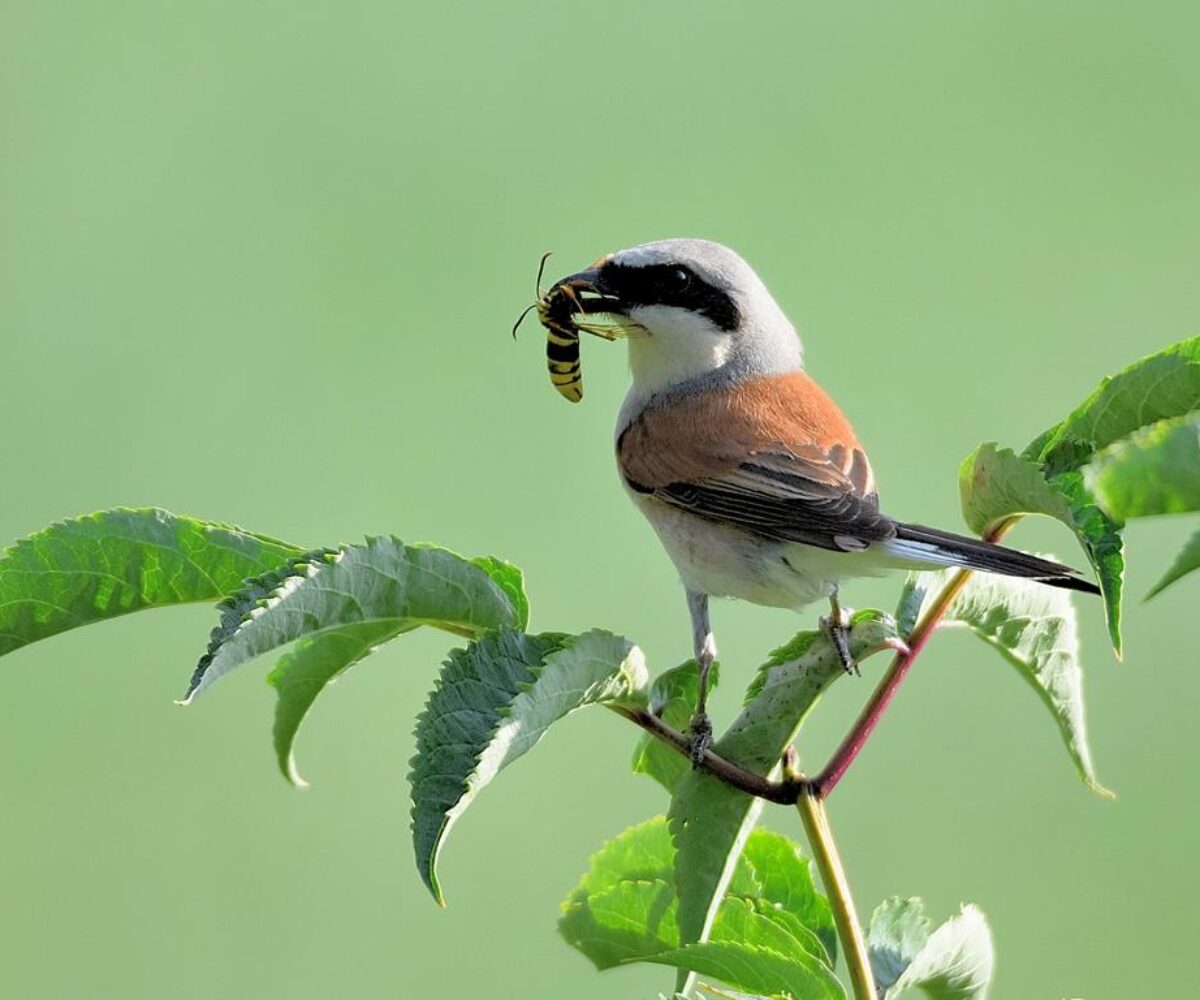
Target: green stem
{"x":833,"y":875}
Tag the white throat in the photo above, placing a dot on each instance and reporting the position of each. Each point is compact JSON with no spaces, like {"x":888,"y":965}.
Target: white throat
{"x":678,"y":352}
{"x":669,"y":356}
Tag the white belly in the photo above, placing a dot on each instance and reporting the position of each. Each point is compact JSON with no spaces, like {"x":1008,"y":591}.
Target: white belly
{"x":728,"y":562}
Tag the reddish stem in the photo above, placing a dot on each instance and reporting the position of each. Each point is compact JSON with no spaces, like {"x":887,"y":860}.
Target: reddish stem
{"x":825,"y":782}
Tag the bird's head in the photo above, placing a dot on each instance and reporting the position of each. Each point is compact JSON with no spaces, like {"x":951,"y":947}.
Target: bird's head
{"x":688,"y":308}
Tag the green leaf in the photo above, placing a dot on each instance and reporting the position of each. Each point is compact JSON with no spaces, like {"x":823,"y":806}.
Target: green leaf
{"x":1034,"y":628}
{"x":494,"y":700}
{"x":381,"y":581}
{"x":1162,"y":385}
{"x":624,"y":908}
{"x":115,"y":562}
{"x":672,"y":697}
{"x":773,"y":869}
{"x":1156,"y":470}
{"x":630,"y":921}
{"x":1101,"y":539}
{"x":309,"y":667}
{"x":995,"y":484}
{"x":317,"y":660}
{"x":1186,"y":561}
{"x":710,"y":820}
{"x":954,"y":962}
{"x":508,"y":578}
{"x":717,"y":991}
{"x":756,"y":922}
{"x":911,"y":602}
{"x":761,"y":970}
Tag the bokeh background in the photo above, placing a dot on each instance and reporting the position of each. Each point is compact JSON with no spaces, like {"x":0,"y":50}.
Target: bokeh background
{"x":259,"y":262}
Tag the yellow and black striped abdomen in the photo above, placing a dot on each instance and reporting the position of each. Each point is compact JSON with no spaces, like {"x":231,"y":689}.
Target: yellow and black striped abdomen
{"x":562,"y":352}
{"x":562,"y":358}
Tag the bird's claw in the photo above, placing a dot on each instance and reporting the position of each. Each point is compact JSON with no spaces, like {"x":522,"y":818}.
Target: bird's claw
{"x":839,"y":635}
{"x":701,"y":732}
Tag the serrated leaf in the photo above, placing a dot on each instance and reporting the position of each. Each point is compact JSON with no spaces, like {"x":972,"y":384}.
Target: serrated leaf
{"x":624,"y":908}
{"x":1185,"y":562}
{"x":312,"y":664}
{"x":898,"y":930}
{"x":115,"y":562}
{"x":493,"y":702}
{"x":1156,"y":470}
{"x":782,"y":876}
{"x":995,"y":484}
{"x":757,"y":922}
{"x":641,"y":853}
{"x":1157,"y":387}
{"x":630,"y":921}
{"x":760,"y":970}
{"x":237,"y":609}
{"x":317,"y":660}
{"x":672,"y":697}
{"x":1034,"y":628}
{"x":1100,"y":537}
{"x":954,"y":962}
{"x":912,"y":602}
{"x":709,"y":819}
{"x":511,"y":580}
{"x":381,"y":581}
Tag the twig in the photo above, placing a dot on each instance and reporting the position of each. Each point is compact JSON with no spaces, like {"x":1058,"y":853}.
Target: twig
{"x":816,"y":824}
{"x":825,"y":782}
{"x":783,"y":792}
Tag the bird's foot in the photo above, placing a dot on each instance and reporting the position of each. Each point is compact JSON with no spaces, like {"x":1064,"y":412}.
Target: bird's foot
{"x":837,"y":627}
{"x":701,"y":732}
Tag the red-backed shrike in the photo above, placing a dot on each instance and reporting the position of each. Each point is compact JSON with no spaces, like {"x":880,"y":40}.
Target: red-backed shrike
{"x":752,"y":477}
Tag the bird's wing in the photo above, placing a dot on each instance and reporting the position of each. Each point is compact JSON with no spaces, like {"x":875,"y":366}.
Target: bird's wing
{"x":787,"y":497}
{"x":774,"y":456}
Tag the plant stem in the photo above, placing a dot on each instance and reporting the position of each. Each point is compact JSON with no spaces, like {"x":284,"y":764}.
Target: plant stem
{"x":782,"y":792}
{"x":816,"y":824}
{"x":825,"y":782}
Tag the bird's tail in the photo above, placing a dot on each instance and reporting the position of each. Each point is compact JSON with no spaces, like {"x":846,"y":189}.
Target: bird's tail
{"x":929,"y":546}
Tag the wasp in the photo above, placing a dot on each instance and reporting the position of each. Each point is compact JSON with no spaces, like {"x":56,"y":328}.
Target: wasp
{"x":559,"y":311}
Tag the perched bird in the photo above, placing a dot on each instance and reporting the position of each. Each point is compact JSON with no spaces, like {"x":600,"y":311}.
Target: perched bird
{"x":749,"y":473}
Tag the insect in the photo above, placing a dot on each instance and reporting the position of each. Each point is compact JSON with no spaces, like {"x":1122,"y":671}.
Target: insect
{"x":558,"y":311}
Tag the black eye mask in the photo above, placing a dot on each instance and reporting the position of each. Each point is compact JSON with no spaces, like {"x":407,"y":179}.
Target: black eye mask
{"x":669,"y":285}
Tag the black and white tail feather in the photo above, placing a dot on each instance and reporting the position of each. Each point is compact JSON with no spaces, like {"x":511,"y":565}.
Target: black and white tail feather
{"x":932,"y":547}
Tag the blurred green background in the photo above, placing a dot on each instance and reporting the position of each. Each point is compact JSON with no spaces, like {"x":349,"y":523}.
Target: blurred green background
{"x":258,"y":263}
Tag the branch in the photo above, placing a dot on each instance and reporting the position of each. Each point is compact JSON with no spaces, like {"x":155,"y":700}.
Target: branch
{"x":784,"y":793}
{"x":858,"y":962}
{"x":825,"y":782}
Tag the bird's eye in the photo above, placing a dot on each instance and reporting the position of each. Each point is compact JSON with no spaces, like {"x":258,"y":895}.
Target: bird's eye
{"x":677,"y":279}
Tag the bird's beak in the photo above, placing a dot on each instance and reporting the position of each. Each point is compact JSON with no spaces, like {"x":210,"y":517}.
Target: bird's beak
{"x":591,"y":305}
{"x":589,"y":289}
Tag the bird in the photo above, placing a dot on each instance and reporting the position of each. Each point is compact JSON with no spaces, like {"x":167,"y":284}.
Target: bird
{"x":749,"y":473}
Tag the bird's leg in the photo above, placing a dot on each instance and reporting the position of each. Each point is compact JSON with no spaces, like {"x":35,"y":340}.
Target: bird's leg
{"x":837,"y":627}
{"x":705,"y":650}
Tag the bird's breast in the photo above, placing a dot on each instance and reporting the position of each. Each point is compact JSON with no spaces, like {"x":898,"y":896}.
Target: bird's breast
{"x":725,"y":561}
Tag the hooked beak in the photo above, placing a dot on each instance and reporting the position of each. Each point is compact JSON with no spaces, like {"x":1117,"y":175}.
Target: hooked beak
{"x":584,"y":295}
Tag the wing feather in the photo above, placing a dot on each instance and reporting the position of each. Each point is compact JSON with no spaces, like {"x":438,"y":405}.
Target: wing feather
{"x":774,"y":456}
